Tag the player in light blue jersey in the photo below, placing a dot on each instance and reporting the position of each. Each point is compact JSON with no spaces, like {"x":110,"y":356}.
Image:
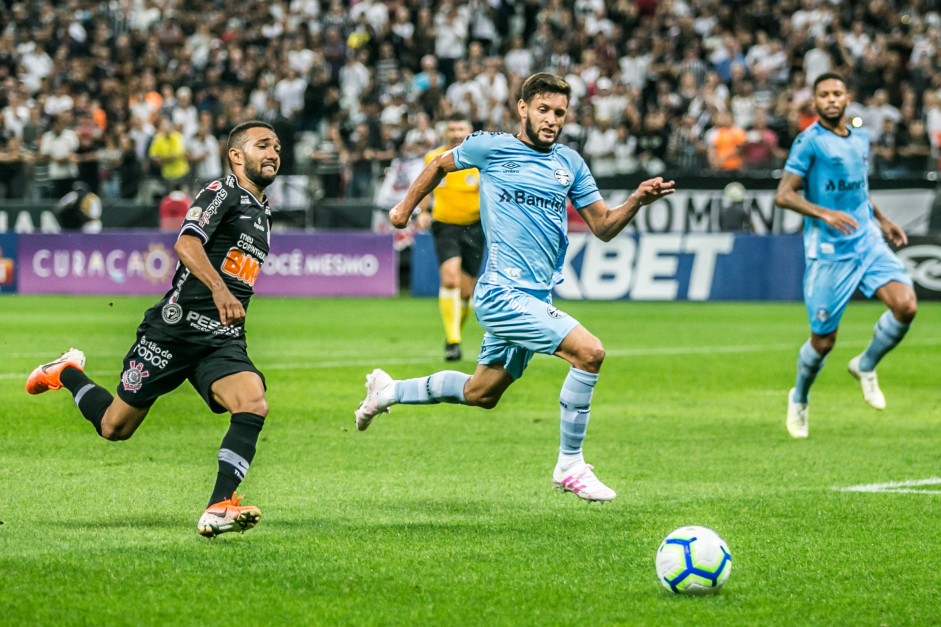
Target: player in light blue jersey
{"x":844,"y":247}
{"x":525,"y":180}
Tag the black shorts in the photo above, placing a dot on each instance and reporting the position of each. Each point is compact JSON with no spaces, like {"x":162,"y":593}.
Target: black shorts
{"x":460,"y":240}
{"x":154,"y":367}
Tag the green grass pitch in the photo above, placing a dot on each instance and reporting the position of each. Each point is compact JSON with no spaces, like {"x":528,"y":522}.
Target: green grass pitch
{"x":445,"y":515}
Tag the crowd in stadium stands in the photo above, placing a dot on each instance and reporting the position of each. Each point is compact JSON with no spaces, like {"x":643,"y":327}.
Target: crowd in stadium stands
{"x":136,"y":97}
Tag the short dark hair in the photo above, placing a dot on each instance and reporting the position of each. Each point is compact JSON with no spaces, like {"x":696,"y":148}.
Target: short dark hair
{"x":457,"y":116}
{"x":826,"y":76}
{"x":544,"y":83}
{"x":237,"y":134}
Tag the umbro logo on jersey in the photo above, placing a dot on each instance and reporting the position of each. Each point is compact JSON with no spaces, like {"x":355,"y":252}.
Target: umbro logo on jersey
{"x":511,"y":167}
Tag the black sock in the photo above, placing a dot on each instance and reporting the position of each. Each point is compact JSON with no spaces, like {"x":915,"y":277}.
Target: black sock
{"x":92,"y":400}
{"x":236,"y":453}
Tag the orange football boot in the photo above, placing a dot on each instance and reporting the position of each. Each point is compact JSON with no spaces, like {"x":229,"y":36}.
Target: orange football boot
{"x":46,"y":376}
{"x":226,"y":516}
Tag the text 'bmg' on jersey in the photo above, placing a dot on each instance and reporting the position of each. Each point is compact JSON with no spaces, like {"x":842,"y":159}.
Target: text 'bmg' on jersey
{"x":235,"y":229}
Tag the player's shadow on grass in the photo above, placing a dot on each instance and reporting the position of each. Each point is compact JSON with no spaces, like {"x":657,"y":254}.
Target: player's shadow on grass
{"x":142,"y":521}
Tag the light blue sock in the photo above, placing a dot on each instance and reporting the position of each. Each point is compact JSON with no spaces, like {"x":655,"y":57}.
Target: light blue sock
{"x":887,"y":333}
{"x":575,"y":403}
{"x":446,"y":386}
{"x":809,"y":363}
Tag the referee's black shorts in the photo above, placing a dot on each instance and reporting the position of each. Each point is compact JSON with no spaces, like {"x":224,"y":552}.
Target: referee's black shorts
{"x":460,"y":240}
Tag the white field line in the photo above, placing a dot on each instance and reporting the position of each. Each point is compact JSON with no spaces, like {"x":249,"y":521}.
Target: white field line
{"x":898,"y":487}
{"x":367,"y":361}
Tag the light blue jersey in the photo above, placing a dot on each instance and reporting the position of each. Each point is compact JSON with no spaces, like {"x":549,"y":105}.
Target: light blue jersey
{"x":835,"y":172}
{"x":523,"y":195}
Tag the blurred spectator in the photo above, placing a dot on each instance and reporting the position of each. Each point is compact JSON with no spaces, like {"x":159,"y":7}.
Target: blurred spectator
{"x":173,"y":207}
{"x":58,"y":146}
{"x":600,"y":145}
{"x":877,"y":110}
{"x":79,"y":210}
{"x":420,"y":138}
{"x":168,"y":150}
{"x":184,"y":114}
{"x":684,"y":149}
{"x":760,"y":150}
{"x":110,"y":158}
{"x":885,"y":149}
{"x":451,"y":33}
{"x":608,"y":103}
{"x":357,"y":155}
{"x":132,"y":170}
{"x":86,"y":155}
{"x":290,"y":93}
{"x":817,"y":60}
{"x":429,"y":73}
{"x":652,"y":143}
{"x":15,"y":114}
{"x":734,"y":216}
{"x":518,"y":59}
{"x":914,"y":150}
{"x":14,"y":160}
{"x":724,"y":144}
{"x":625,"y":151}
{"x":495,"y":89}
{"x":465,"y":95}
{"x":328,"y":169}
{"x":204,"y":153}
{"x":33,"y":129}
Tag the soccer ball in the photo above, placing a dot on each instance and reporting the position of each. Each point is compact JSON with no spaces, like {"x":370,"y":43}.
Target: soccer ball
{"x":693,"y":560}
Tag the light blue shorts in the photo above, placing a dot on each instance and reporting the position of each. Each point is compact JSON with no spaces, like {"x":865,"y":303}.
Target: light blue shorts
{"x":518,"y":325}
{"x":829,"y":285}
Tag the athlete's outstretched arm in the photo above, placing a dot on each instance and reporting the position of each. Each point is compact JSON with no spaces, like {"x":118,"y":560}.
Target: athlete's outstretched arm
{"x":787,"y":197}
{"x":893,"y":231}
{"x":421,"y":187}
{"x":191,"y":253}
{"x":606,"y":223}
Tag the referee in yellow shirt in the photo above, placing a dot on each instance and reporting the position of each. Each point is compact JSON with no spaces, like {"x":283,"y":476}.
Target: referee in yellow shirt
{"x":459,"y":238}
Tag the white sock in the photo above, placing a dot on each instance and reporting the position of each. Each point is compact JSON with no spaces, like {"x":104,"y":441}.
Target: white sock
{"x":566,"y":462}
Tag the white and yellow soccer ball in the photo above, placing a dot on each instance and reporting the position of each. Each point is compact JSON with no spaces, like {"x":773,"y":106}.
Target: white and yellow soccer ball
{"x":693,"y":560}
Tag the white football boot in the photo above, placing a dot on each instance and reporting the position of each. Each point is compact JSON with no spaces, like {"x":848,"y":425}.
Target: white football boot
{"x":380,"y":394}
{"x":581,"y":481}
{"x":796,"y":416}
{"x":869,"y":383}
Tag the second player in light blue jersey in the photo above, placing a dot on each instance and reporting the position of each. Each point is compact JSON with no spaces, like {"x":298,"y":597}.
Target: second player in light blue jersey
{"x":525,"y":182}
{"x":844,"y":247}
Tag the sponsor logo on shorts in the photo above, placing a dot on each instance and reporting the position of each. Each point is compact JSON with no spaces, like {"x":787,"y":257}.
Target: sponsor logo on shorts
{"x":171,"y":313}
{"x":823,"y":314}
{"x":152,"y":353}
{"x":563,"y":176}
{"x":208,"y":325}
{"x":556,"y":313}
{"x":132,"y":379}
